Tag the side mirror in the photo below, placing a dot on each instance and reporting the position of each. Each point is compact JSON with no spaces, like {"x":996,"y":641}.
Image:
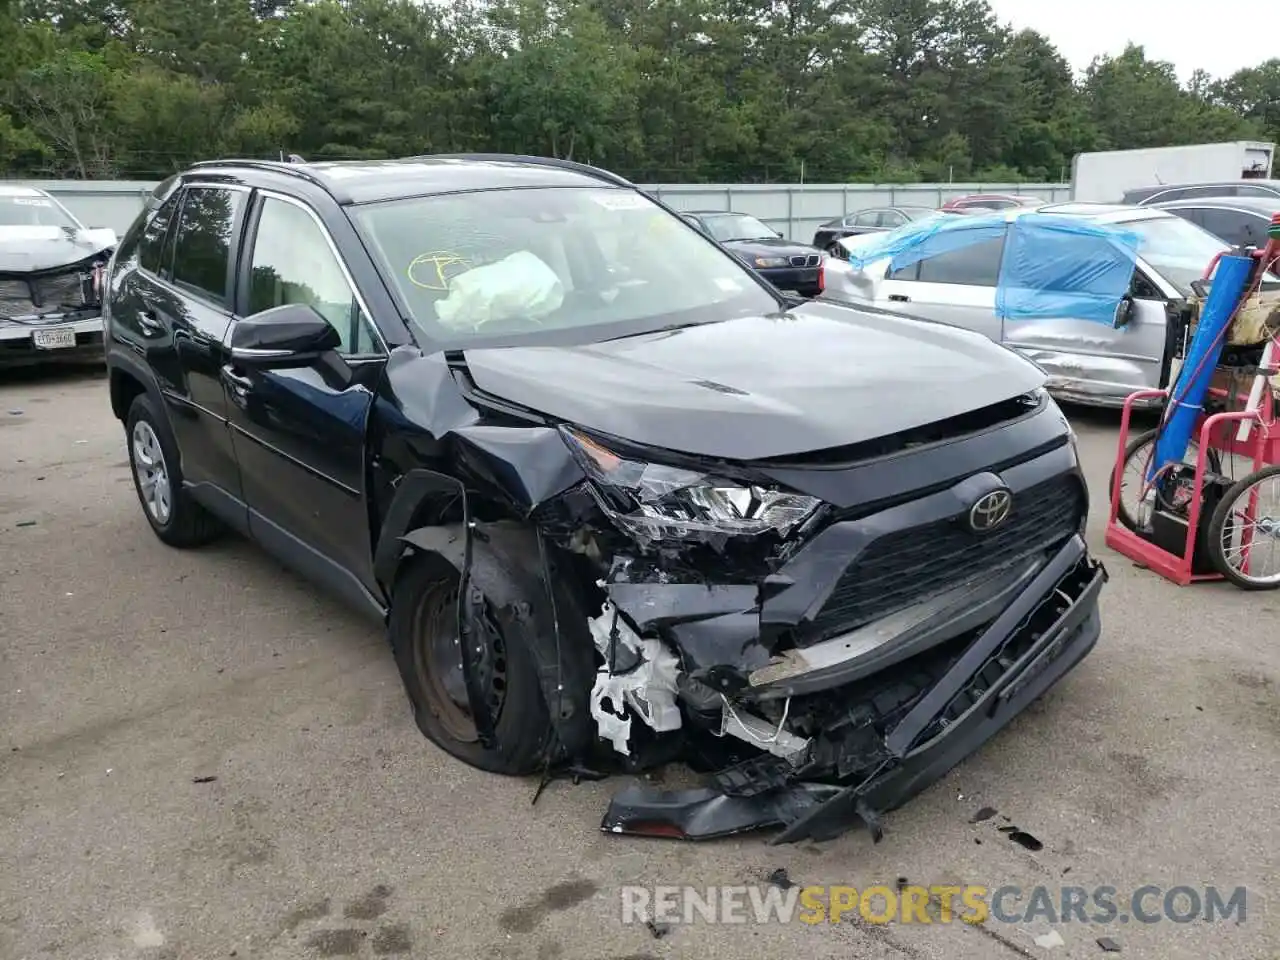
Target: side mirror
{"x":1124,"y":312}
{"x":292,"y":334}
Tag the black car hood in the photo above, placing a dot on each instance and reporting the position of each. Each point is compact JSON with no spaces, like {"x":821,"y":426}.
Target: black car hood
{"x":816,"y":377}
{"x":30,"y":249}
{"x":768,"y":247}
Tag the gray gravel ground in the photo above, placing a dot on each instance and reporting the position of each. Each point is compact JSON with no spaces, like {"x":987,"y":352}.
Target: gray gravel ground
{"x":333,"y":829}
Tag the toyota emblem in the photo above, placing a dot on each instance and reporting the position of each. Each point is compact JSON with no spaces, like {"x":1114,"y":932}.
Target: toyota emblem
{"x":990,"y":511}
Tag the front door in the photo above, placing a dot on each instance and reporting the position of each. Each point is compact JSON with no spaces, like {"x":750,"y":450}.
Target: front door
{"x":299,"y":432}
{"x":1096,"y":359}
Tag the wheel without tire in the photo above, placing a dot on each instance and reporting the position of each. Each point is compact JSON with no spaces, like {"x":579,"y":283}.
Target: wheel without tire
{"x":174,"y":515}
{"x":1228,"y":525}
{"x":423,"y":629}
{"x":1135,"y":514}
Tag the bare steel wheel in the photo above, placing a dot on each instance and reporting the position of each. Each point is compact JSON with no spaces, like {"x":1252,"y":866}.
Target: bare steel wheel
{"x":423,"y":630}
{"x":438,"y":660}
{"x":1244,"y":532}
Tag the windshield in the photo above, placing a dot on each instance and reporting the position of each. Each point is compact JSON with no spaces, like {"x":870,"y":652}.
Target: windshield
{"x":1178,"y":250}
{"x":33,"y":210}
{"x":736,"y":226}
{"x":520,"y":265}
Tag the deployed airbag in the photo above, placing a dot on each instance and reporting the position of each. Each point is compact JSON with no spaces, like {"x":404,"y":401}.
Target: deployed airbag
{"x":517,"y":286}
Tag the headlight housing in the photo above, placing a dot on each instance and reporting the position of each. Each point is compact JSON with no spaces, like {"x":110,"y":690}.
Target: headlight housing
{"x":772,"y":261}
{"x":653,"y":501}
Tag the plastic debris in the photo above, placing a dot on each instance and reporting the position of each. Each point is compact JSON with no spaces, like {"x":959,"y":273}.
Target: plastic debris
{"x":1050,"y":940}
{"x":1108,"y":945}
{"x":780,"y":879}
{"x":659,"y":930}
{"x":1024,"y":839}
{"x":203,"y":779}
{"x":985,"y":813}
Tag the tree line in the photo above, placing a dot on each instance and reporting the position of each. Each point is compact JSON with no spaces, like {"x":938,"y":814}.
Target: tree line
{"x":658,"y":90}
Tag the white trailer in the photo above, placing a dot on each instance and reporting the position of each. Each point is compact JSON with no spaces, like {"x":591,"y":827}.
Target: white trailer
{"x":1106,"y":175}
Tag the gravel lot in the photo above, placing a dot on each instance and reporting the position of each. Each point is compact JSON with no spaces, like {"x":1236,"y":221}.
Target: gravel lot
{"x":128,"y":669}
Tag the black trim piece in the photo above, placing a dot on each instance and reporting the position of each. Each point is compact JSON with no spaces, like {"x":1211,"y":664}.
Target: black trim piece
{"x":902,"y":739}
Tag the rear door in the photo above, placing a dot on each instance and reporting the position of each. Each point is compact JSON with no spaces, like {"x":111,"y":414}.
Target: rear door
{"x":956,"y":287}
{"x":176,"y":309}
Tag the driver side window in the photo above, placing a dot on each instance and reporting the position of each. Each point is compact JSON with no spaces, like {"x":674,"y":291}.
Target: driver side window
{"x":292,"y":262}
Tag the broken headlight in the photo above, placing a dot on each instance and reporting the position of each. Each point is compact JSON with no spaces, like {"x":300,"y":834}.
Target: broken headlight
{"x":654,"y":501}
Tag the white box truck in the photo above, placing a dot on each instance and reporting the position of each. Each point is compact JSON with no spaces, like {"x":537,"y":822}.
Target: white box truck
{"x":1106,"y":175}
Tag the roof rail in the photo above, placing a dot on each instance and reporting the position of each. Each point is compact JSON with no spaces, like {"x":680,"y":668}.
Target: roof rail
{"x":288,"y":167}
{"x":583,"y":168}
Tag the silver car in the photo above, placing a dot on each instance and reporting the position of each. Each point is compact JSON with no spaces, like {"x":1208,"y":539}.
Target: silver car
{"x":1087,"y":362}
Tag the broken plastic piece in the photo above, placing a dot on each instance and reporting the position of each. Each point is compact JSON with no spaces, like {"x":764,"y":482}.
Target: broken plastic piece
{"x":648,"y":689}
{"x":707,"y":814}
{"x":780,"y":879}
{"x":1050,"y":940}
{"x":985,"y":813}
{"x":1108,"y":945}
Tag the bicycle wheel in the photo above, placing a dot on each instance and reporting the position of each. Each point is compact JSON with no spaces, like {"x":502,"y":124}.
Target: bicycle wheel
{"x":1135,"y":511}
{"x":1244,"y":531}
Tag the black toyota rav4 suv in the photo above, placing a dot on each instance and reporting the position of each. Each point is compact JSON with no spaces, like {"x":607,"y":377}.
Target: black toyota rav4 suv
{"x":616,"y":499}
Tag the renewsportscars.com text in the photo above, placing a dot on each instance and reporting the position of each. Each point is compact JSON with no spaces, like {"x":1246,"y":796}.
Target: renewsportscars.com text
{"x":763,"y":904}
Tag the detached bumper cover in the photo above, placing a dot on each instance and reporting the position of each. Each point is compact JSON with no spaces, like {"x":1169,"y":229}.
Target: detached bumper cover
{"x":1050,"y":626}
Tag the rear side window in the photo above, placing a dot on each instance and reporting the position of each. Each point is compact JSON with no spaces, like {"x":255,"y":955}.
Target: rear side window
{"x":1254,"y":190}
{"x":1234,"y":227}
{"x":202,"y":241}
{"x":151,"y":246}
{"x":977,"y":265}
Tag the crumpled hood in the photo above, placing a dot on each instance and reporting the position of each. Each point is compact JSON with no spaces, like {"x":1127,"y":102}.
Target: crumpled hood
{"x":819,"y":376}
{"x":28,"y":249}
{"x":769,"y":247}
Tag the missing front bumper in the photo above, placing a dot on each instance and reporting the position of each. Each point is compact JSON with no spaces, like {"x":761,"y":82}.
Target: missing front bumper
{"x":1047,"y":629}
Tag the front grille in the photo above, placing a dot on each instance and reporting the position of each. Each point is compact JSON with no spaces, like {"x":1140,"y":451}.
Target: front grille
{"x":811,"y":260}
{"x":908,"y":566}
{"x":48,"y":293}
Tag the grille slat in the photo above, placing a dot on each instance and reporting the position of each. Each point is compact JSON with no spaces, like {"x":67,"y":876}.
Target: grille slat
{"x":805,"y":260}
{"x":909,"y":566}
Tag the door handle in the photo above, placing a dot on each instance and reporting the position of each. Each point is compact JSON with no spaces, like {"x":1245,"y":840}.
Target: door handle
{"x":899,"y":298}
{"x":238,"y":382}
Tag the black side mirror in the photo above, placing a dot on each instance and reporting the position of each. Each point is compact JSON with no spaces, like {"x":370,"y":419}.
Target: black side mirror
{"x":1124,"y":312}
{"x":291,"y":334}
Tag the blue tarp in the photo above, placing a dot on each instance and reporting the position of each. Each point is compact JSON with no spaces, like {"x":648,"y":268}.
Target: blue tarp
{"x":1052,"y":266}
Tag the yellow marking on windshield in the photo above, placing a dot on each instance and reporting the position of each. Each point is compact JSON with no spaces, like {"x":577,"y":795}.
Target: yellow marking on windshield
{"x":434,"y":270}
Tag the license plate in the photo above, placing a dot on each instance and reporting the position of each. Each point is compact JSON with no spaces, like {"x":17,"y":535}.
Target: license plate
{"x":53,"y":339}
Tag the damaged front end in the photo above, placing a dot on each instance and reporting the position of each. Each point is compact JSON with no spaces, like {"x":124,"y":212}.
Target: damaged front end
{"x":824,"y":660}
{"x":51,"y":306}
{"x":821,"y":635}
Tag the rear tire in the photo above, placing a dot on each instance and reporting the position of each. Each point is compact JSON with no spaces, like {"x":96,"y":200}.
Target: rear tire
{"x":175,"y":517}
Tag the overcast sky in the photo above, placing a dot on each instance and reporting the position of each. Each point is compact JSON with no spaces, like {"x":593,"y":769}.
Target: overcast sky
{"x":1187,"y":33}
